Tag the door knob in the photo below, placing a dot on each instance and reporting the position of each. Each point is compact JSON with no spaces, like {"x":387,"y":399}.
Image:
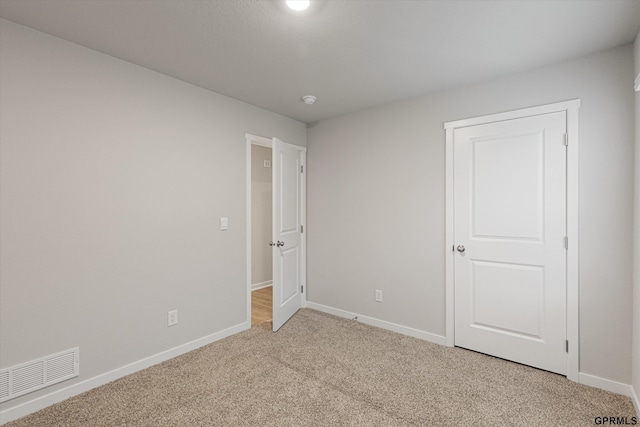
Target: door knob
{"x":460,"y":249}
{"x":279,"y":243}
{"x":271,"y":244}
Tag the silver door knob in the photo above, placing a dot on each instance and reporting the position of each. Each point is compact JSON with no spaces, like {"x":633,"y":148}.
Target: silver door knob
{"x":460,"y":249}
{"x":280,"y":243}
{"x":271,"y":244}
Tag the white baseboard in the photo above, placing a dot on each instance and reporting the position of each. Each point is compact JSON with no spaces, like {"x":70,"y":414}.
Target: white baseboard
{"x":404,"y":330}
{"x":586,"y":379}
{"x":635,"y":400}
{"x":41,"y":402}
{"x":608,"y":385}
{"x":256,"y":286}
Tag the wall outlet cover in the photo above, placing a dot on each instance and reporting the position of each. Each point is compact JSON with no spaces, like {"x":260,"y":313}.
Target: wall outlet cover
{"x":172,"y":318}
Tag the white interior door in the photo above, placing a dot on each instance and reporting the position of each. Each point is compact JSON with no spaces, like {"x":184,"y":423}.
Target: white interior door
{"x":288,"y":254}
{"x":509,"y":233}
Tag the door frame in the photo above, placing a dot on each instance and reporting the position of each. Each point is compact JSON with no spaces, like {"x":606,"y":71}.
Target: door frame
{"x":268,"y":142}
{"x":573,"y":304}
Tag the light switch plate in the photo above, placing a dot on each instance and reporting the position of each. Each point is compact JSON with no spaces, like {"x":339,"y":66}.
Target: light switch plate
{"x":224,"y":223}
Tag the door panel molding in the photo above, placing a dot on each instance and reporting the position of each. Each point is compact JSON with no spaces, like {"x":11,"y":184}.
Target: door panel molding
{"x":572,"y":307}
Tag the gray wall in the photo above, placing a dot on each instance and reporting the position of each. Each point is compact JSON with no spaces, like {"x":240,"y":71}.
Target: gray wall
{"x":113,"y":180}
{"x":636,"y":263}
{"x":376,"y":185}
{"x":261,"y":212}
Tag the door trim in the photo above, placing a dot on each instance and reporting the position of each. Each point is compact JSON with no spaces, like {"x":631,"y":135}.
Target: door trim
{"x":267,"y":142}
{"x":571,"y":108}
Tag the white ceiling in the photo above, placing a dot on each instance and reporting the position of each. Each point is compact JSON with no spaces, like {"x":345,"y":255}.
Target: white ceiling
{"x":351,"y":54}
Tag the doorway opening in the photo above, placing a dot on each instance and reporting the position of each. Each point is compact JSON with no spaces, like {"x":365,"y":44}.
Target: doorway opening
{"x":284,"y":240}
{"x":261,"y":182}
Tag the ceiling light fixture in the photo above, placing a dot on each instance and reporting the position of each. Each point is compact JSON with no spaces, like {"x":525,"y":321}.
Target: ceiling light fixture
{"x":309,"y":99}
{"x":298,"y":4}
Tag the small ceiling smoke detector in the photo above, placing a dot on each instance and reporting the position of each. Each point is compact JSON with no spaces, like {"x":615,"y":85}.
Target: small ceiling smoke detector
{"x":298,"y":4}
{"x":309,"y":99}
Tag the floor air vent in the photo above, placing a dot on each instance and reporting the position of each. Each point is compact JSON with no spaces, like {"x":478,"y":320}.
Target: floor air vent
{"x":31,"y":376}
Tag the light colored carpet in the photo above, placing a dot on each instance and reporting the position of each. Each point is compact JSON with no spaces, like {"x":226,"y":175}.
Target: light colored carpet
{"x":326,"y":371}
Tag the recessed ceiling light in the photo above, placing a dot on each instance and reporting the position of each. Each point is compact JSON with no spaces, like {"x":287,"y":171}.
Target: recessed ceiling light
{"x":298,"y":4}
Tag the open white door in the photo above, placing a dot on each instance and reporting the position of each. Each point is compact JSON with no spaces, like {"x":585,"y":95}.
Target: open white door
{"x":288,"y":255}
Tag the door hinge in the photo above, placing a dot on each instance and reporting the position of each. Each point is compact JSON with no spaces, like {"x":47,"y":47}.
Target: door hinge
{"x":302,"y":228}
{"x":302,"y":289}
{"x":566,"y":139}
{"x":566,"y":342}
{"x":566,"y":243}
{"x":301,"y":168}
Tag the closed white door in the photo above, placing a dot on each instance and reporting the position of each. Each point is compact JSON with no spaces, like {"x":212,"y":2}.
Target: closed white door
{"x":509,"y":233}
{"x":287,"y":232}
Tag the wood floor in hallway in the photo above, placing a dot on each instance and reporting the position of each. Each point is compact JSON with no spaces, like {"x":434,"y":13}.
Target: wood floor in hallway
{"x":261,"y":305}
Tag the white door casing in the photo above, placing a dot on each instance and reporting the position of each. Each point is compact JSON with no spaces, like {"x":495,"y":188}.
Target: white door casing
{"x":288,"y":214}
{"x":511,"y":202}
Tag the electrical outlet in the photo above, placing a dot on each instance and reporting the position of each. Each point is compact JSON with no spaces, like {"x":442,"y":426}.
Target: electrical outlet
{"x":378,"y":295}
{"x":172,"y":318}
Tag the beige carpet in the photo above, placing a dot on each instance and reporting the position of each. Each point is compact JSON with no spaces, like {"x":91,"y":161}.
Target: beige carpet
{"x":326,"y":371}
